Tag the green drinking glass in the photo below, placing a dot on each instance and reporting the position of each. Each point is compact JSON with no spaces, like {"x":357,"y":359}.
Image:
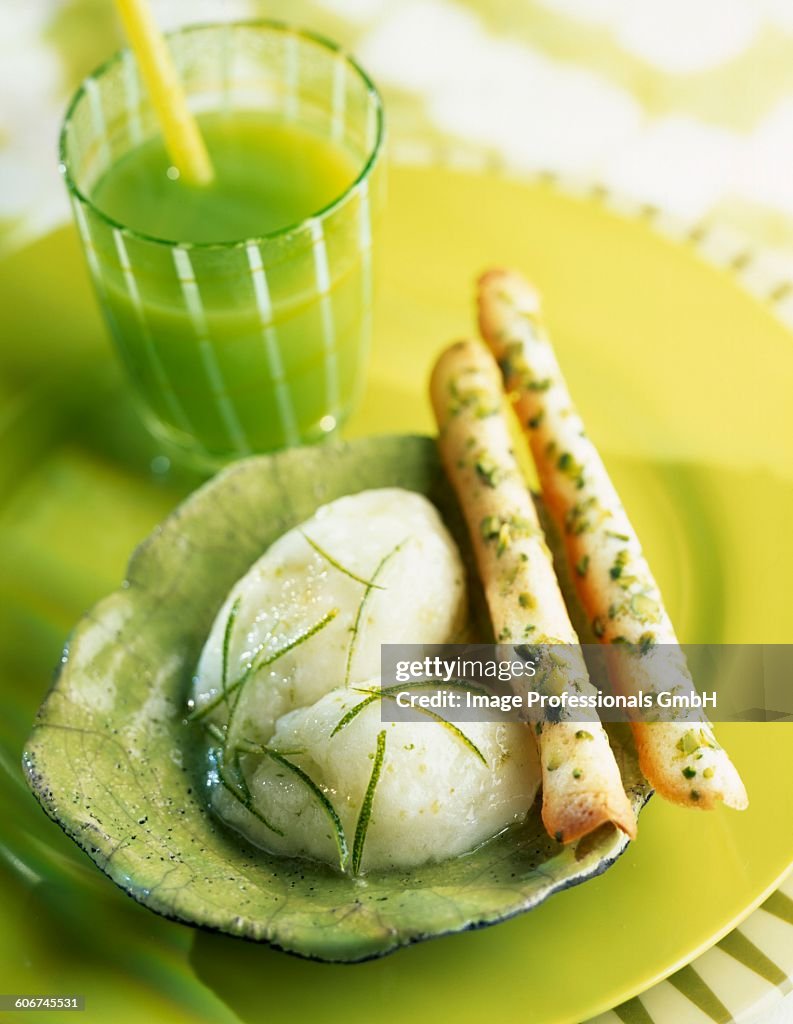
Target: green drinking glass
{"x":242,"y":314}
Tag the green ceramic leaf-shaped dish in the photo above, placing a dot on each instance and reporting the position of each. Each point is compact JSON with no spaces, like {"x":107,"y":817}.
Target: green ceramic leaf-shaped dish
{"x":112,"y":761}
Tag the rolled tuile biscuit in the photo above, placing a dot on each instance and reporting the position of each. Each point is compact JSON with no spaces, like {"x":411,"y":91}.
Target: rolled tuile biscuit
{"x":681,"y":759}
{"x":581,"y":787}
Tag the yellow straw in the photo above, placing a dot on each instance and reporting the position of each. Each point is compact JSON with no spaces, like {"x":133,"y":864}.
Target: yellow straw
{"x":183,"y":140}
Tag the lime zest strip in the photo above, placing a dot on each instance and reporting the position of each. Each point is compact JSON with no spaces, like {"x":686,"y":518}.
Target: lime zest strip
{"x":365,"y":813}
{"x":353,"y":712}
{"x":388,"y":691}
{"x":390,"y":694}
{"x":435,"y":684}
{"x":322,"y":799}
{"x":248,"y":805}
{"x":235,"y":784}
{"x":280,"y":757}
{"x":232,"y":618}
{"x":336,"y":564}
{"x":256,"y":666}
{"x":370,"y":586}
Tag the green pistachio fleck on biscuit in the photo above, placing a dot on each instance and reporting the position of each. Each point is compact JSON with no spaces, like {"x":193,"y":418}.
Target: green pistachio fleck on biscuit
{"x":619,"y":564}
{"x":488,"y":472}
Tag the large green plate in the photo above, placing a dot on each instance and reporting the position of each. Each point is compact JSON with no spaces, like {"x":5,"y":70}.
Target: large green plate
{"x":684,"y":381}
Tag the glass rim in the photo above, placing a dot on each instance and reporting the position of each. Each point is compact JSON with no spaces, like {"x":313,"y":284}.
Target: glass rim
{"x":289,"y":230}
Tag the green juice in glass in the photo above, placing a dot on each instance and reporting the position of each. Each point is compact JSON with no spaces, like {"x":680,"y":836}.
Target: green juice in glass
{"x":240,"y":334}
{"x":270,"y":174}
